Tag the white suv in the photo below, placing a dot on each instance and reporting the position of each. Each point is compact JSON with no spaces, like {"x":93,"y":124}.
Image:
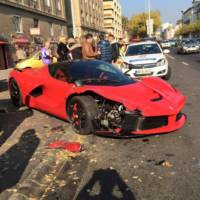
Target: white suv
{"x":146,"y":59}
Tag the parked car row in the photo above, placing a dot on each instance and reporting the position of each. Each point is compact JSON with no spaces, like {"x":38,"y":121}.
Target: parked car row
{"x":188,"y":46}
{"x":165,"y":44}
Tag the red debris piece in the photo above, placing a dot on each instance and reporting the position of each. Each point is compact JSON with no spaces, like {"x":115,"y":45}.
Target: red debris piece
{"x":69,"y":146}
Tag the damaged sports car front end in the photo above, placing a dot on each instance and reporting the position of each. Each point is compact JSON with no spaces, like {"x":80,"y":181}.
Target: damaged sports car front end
{"x":98,"y":98}
{"x":114,"y":120}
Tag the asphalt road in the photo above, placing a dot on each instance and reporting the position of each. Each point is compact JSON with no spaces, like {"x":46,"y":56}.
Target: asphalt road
{"x":133,"y":169}
{"x":164,"y":167}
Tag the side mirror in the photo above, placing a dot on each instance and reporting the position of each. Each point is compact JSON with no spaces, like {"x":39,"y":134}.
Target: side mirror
{"x":166,"y":51}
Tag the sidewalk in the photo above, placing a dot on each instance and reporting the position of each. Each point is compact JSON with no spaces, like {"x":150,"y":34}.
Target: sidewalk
{"x":28,"y":167}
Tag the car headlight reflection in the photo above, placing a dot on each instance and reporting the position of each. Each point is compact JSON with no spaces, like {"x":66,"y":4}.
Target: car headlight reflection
{"x":161,"y":62}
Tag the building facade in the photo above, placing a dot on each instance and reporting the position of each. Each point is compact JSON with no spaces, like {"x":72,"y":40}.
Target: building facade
{"x":33,"y":20}
{"x":188,"y":16}
{"x":113,"y":17}
{"x":191,"y":14}
{"x":85,"y":16}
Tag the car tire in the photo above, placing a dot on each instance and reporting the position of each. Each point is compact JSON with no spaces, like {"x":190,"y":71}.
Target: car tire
{"x":82,"y":110}
{"x":15,"y":93}
{"x":169,"y":74}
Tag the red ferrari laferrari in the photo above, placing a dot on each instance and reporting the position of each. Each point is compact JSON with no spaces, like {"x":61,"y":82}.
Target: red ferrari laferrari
{"x":98,"y":98}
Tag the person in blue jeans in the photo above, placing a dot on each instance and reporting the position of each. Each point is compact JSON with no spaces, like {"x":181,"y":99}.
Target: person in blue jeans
{"x":105,"y":48}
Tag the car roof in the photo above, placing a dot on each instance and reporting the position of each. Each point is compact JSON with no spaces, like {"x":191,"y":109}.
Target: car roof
{"x":58,"y":64}
{"x":141,"y":43}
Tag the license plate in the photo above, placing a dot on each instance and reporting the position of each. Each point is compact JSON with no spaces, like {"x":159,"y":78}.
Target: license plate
{"x":142,"y":71}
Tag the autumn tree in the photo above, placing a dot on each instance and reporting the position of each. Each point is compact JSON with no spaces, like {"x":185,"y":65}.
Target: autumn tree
{"x":186,"y":29}
{"x":125,"y":23}
{"x":137,"y":23}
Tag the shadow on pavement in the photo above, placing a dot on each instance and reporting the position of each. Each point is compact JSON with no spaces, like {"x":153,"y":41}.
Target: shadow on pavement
{"x":3,"y":85}
{"x":9,"y":121}
{"x":15,"y":160}
{"x":106,"y":184}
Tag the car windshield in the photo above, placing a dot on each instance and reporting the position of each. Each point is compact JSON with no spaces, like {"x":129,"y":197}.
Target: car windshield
{"x":143,"y":49}
{"x":91,"y":72}
{"x":188,"y":42}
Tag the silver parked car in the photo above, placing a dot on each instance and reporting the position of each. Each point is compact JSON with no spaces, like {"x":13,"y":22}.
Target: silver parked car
{"x":188,"y":46}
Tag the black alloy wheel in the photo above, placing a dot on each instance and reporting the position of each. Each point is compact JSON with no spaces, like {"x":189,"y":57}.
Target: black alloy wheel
{"x":82,"y":111}
{"x":15,"y":93}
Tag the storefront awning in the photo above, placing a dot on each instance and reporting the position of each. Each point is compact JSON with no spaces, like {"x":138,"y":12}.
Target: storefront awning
{"x":21,"y":41}
{"x":3,"y":42}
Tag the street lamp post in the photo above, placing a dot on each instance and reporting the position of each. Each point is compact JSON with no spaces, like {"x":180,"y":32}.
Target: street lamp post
{"x":149,"y":12}
{"x":73,"y":20}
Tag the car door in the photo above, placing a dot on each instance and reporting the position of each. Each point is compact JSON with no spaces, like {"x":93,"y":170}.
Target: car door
{"x":51,"y":95}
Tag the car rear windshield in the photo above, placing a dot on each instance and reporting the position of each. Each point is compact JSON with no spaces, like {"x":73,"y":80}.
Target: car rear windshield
{"x":91,"y":72}
{"x":143,"y":49}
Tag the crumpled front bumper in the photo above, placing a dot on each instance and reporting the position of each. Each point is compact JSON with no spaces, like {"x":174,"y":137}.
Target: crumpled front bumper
{"x":135,"y":125}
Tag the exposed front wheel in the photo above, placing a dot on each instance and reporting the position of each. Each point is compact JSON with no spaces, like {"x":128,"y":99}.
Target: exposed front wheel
{"x":15,"y":93}
{"x":82,"y":111}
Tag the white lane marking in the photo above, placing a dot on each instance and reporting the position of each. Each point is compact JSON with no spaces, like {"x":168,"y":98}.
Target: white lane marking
{"x":173,"y":58}
{"x":184,"y":63}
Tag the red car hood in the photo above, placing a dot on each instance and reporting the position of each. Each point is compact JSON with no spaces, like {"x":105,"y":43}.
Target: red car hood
{"x":154,"y":97}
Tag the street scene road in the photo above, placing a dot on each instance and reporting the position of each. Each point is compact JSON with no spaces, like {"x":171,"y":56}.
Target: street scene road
{"x":156,"y":167}
{"x":99,"y":100}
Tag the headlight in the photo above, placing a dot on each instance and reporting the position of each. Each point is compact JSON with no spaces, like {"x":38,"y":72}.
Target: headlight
{"x":185,"y":48}
{"x":161,"y":62}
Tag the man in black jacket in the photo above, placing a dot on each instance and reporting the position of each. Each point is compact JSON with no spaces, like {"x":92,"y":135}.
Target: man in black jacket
{"x":105,"y":48}
{"x":115,"y":47}
{"x":62,"y":50}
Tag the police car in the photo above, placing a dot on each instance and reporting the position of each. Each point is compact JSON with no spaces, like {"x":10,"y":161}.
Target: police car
{"x":145,"y":59}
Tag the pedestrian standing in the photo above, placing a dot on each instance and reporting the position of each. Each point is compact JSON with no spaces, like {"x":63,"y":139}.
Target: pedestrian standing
{"x":62,"y":50}
{"x":122,"y":47}
{"x":46,"y":53}
{"x":75,"y":48}
{"x":115,"y":48}
{"x":20,"y":53}
{"x":105,"y":48}
{"x":87,"y":50}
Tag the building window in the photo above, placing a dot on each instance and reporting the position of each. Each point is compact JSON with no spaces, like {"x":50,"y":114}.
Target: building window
{"x":47,"y":3}
{"x":18,"y":24}
{"x":62,"y":30}
{"x":35,"y":23}
{"x":50,"y":28}
{"x":59,"y":5}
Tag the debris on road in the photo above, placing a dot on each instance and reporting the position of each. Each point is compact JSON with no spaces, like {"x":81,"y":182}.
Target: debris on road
{"x":167,"y":164}
{"x":69,"y":146}
{"x":163,"y":163}
{"x":145,"y":140}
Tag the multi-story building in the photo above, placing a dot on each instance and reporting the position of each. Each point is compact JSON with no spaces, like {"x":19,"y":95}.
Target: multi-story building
{"x":86,"y":16}
{"x":32,"y":19}
{"x":191,"y":14}
{"x":188,"y":15}
{"x":113,"y":17}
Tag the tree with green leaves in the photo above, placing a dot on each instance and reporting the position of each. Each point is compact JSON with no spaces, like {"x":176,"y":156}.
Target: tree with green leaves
{"x":125,"y":23}
{"x":137,"y":23}
{"x":186,"y":29}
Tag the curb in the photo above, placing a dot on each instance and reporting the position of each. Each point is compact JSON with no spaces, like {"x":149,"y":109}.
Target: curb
{"x":35,"y":185}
